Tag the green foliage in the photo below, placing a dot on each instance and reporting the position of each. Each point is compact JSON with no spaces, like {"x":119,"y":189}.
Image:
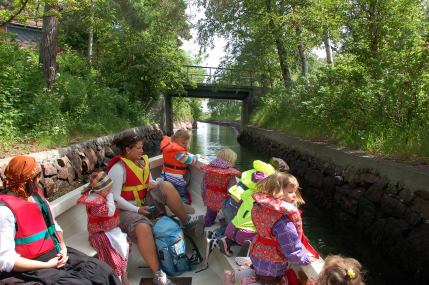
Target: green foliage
{"x":187,"y":108}
{"x":387,"y":114}
{"x":224,"y":109}
{"x":74,"y":107}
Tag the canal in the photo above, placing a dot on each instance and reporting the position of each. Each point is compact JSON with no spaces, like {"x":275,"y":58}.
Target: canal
{"x":328,"y":236}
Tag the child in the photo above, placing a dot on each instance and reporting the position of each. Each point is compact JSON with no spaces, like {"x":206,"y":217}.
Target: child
{"x":241,"y":229}
{"x":176,"y":160}
{"x":339,"y":270}
{"x":219,"y":176}
{"x":103,"y":219}
{"x":279,"y":226}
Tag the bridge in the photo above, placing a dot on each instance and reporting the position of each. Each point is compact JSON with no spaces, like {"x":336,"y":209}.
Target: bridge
{"x":216,"y":83}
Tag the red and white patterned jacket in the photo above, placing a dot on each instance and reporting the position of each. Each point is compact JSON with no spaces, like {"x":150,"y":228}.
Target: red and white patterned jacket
{"x":218,"y":177}
{"x":96,"y":208}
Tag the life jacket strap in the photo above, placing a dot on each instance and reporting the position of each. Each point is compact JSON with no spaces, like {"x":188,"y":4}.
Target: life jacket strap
{"x":175,"y":167}
{"x":267,"y":241}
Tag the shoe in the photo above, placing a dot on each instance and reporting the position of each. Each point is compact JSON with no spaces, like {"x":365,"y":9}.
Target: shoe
{"x":189,"y":209}
{"x":208,"y":246}
{"x":192,"y":221}
{"x":124,"y":279}
{"x":243,"y":261}
{"x":228,"y":277}
{"x":161,"y":278}
{"x":225,"y":246}
{"x":244,"y":251}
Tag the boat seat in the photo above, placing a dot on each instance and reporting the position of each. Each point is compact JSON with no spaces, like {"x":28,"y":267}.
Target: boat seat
{"x":72,"y":219}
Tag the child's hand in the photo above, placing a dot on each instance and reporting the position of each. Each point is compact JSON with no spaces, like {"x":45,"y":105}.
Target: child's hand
{"x":151,"y":185}
{"x":313,"y":259}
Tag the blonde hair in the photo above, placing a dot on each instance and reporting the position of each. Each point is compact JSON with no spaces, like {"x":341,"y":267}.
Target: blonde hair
{"x":275,"y":184}
{"x":339,"y":270}
{"x":228,"y":155}
{"x":181,"y":134}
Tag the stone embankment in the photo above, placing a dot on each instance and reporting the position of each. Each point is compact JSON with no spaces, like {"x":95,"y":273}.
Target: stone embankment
{"x":388,"y":203}
{"x":66,"y":168}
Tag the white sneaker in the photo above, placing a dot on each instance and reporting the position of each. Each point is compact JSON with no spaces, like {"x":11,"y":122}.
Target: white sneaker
{"x":161,"y":278}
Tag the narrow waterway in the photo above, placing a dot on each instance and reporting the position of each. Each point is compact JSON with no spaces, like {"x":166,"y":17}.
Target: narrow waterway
{"x":328,"y":237}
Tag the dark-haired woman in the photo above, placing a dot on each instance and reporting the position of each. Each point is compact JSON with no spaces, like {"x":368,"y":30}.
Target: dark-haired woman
{"x":31,"y":245}
{"x":134,"y":190}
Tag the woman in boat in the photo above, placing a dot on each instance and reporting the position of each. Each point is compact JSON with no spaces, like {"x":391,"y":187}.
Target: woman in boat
{"x":136,"y":192}
{"x":32,"y":247}
{"x":176,"y":160}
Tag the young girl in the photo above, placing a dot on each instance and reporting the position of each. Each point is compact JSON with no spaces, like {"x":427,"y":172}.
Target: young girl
{"x":219,"y":176}
{"x":103,"y":219}
{"x":279,"y":226}
{"x":176,"y":160}
{"x":339,"y":270}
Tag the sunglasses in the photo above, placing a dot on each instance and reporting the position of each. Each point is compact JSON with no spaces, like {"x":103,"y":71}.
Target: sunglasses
{"x":136,"y":138}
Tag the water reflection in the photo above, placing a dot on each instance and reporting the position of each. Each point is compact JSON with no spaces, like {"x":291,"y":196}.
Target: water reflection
{"x":208,"y":139}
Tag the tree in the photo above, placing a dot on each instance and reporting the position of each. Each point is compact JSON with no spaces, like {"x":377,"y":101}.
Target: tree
{"x":48,"y":44}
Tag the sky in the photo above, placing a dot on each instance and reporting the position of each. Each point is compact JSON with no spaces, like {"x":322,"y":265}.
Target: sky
{"x":213,"y":56}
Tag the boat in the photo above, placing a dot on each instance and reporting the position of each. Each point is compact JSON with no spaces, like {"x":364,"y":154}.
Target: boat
{"x":72,"y":218}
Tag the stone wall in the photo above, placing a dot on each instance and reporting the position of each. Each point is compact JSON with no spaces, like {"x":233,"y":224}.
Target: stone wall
{"x":66,"y":168}
{"x":390,"y":213}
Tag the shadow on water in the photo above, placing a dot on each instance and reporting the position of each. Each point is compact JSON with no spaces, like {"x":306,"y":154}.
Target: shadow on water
{"x":328,"y":237}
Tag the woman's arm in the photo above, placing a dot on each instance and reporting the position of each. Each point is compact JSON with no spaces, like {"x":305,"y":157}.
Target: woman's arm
{"x":287,"y":236}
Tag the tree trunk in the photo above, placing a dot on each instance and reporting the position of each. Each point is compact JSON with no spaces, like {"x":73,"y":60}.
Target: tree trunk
{"x":327,"y":42}
{"x":372,"y":18}
{"x":302,"y":55}
{"x":90,"y":41}
{"x":281,"y":51}
{"x":48,"y":44}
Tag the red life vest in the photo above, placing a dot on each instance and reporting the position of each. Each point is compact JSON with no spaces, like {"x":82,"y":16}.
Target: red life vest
{"x":169,"y":151}
{"x":265,"y":214}
{"x":218,"y":178}
{"x":98,"y":224}
{"x":135,"y":187}
{"x":33,"y":237}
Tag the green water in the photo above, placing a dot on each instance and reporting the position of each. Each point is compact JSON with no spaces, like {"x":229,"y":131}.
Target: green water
{"x":327,"y":236}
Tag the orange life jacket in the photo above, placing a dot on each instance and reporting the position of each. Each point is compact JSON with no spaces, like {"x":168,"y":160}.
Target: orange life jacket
{"x":135,"y":187}
{"x":169,"y":151}
{"x":33,"y":236}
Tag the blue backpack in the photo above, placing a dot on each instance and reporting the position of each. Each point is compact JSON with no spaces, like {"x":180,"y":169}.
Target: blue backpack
{"x":171,"y":247}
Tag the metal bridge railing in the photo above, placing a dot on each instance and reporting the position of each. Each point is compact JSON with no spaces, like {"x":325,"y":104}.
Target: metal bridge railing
{"x":220,"y":76}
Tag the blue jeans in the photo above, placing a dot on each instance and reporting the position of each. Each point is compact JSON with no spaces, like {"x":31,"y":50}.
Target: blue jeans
{"x":182,"y":193}
{"x":229,"y":209}
{"x":180,"y":189}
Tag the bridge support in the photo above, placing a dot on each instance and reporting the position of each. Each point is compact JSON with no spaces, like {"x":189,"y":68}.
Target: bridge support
{"x":248,"y":105}
{"x":167,"y":115}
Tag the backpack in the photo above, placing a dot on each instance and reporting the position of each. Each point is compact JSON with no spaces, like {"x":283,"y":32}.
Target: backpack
{"x":171,"y":247}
